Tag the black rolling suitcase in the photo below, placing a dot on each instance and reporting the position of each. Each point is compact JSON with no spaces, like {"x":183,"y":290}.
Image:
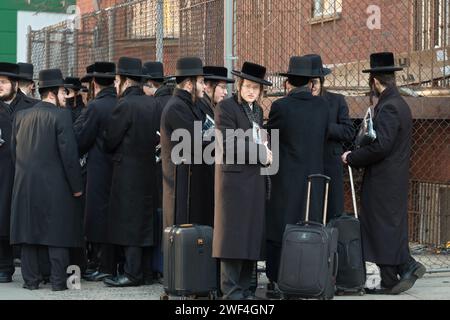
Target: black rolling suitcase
{"x":308,"y":263}
{"x":351,"y":277}
{"x":189,"y":269}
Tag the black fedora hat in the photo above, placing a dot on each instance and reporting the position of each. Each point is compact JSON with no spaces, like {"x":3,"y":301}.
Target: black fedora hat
{"x":72,"y":83}
{"x":129,"y":67}
{"x":189,"y":67}
{"x":217,"y":74}
{"x":104,"y":70}
{"x":26,"y":71}
{"x":153,"y":71}
{"x":382,"y":62}
{"x":10,"y":70}
{"x":51,"y":78}
{"x":310,"y":66}
{"x":88,"y":76}
{"x":253,"y":72}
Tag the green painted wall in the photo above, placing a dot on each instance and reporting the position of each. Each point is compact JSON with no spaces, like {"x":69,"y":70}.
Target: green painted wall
{"x":8,"y":21}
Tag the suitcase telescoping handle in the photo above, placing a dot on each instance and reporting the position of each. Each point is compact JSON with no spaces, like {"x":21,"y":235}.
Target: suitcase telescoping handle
{"x":188,"y":204}
{"x":308,"y":199}
{"x":352,"y":185}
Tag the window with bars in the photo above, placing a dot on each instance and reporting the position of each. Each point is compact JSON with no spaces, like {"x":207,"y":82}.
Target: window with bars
{"x":142,"y":18}
{"x":326,"y":8}
{"x":431,"y":24}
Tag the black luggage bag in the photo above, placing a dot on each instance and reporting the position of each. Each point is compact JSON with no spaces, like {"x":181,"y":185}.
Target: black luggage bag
{"x":308,"y":263}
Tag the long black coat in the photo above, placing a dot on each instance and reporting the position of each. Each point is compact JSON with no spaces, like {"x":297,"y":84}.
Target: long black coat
{"x":7,"y":113}
{"x":162,"y":96}
{"x":302,"y":121}
{"x":131,"y":134}
{"x":384,"y":197}
{"x":202,"y":183}
{"x":44,"y":150}
{"x":340,"y":130}
{"x":89,"y":132}
{"x":240,"y":190}
{"x":179,"y":113}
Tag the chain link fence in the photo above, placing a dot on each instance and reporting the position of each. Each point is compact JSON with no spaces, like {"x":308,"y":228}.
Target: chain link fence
{"x":269,"y":32}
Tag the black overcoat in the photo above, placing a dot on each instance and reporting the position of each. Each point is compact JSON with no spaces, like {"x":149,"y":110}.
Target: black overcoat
{"x":240,"y":189}
{"x":340,"y":131}
{"x":89,"y":132}
{"x":302,"y":121}
{"x":7,"y":113}
{"x":47,"y":174}
{"x":131,"y":135}
{"x":384,"y":193}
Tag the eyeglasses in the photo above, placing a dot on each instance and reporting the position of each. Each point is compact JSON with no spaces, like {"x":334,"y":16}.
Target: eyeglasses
{"x":251,"y":87}
{"x":222,"y":86}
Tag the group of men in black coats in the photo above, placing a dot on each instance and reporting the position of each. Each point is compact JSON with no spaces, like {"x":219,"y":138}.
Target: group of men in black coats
{"x":91,"y":177}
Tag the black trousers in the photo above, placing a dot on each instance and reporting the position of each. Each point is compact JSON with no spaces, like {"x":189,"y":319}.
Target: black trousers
{"x":32,"y":269}
{"x":390,"y":275}
{"x":273,"y":255}
{"x":104,"y":257}
{"x":236,"y":278}
{"x":6,"y":257}
{"x":138,"y":263}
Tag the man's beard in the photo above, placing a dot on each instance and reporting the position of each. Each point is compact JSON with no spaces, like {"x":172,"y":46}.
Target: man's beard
{"x":374,"y":93}
{"x":70,"y":102}
{"x":9,"y":96}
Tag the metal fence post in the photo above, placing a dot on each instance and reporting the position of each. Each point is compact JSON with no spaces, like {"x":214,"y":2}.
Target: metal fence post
{"x":47,"y":49}
{"x":111,"y":23}
{"x":228,"y":38}
{"x":29,"y":44}
{"x":159,"y":30}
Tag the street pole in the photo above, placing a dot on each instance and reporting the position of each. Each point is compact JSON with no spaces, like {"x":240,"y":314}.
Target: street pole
{"x":160,"y":30}
{"x":228,"y":38}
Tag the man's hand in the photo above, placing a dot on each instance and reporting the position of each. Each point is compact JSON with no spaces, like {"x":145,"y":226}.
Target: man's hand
{"x":78,"y":194}
{"x":269,"y":154}
{"x":344,"y":157}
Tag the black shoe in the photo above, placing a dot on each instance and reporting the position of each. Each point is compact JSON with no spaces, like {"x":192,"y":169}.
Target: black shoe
{"x":30,"y":286}
{"x":149,"y":281}
{"x":59,"y":288}
{"x":5,"y":277}
{"x":45,"y":280}
{"x":409,"y":278}
{"x":378,"y":291}
{"x":121,"y":281}
{"x":273,"y":293}
{"x":97,"y":276}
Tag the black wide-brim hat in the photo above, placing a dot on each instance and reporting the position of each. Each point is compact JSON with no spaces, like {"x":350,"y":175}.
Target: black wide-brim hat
{"x":88,"y":76}
{"x":72,"y":83}
{"x":189,"y":67}
{"x":382,"y":62}
{"x":153,"y":71}
{"x":219,"y":74}
{"x":104,"y":70}
{"x":253,"y":72}
{"x":10,"y":70}
{"x":309,"y":66}
{"x":51,"y":78}
{"x":26,"y":71}
{"x":129,"y":67}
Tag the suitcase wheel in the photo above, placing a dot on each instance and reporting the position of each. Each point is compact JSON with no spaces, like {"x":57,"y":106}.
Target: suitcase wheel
{"x":212,"y":295}
{"x":362,"y":293}
{"x":164,"y":297}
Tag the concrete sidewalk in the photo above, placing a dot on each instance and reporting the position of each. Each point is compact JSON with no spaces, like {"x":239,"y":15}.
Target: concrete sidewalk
{"x":431,"y":287}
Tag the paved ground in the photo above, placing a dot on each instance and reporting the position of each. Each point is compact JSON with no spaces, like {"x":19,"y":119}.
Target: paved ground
{"x":431,"y":287}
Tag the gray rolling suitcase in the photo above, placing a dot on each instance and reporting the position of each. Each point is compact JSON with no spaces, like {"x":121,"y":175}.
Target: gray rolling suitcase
{"x":190,"y":271}
{"x":351,"y":276}
{"x":308,"y":263}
